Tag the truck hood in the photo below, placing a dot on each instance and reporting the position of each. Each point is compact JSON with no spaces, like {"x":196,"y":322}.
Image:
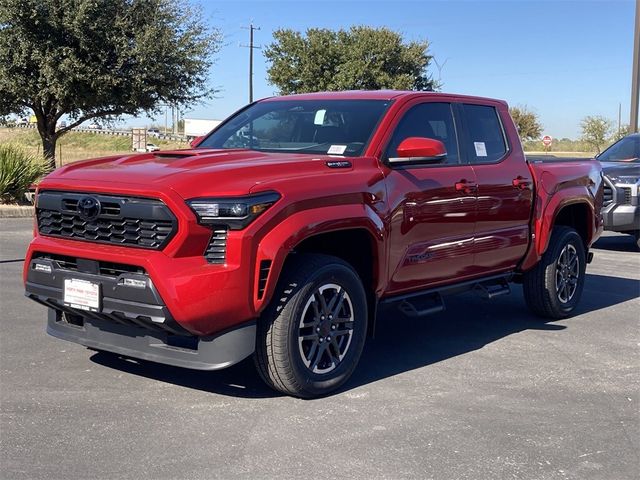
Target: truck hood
{"x":615,"y":170}
{"x":192,"y":173}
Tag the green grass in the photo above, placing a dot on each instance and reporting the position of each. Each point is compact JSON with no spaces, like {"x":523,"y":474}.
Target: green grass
{"x":79,"y":145}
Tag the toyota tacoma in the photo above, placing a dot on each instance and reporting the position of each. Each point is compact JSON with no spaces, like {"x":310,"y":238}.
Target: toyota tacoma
{"x":281,"y":232}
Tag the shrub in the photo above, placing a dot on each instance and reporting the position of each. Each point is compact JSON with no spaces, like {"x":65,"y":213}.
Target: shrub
{"x":18,"y":170}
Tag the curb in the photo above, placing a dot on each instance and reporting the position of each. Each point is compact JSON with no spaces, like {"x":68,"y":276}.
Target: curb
{"x":16,"y":211}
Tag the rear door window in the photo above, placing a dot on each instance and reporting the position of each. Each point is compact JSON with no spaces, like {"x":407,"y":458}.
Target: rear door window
{"x":485,"y":141}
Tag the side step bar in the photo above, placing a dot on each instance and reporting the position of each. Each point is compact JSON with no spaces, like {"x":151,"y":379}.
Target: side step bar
{"x":423,"y":305}
{"x":427,"y":302}
{"x":494,"y":289}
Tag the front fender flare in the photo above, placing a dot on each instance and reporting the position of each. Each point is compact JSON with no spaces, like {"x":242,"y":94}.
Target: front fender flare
{"x":281,"y":240}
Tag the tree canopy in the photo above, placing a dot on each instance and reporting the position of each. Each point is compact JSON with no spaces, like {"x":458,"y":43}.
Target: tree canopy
{"x":90,"y":59}
{"x":596,"y":131}
{"x":527,"y":122}
{"x":361,"y":58}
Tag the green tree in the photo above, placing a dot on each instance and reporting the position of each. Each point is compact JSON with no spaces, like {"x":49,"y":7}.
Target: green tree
{"x":100,"y":59}
{"x":527,"y":122}
{"x":596,"y":131}
{"x":355,"y":59}
{"x":622,"y":132}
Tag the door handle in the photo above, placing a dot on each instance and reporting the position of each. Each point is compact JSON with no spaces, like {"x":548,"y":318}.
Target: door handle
{"x":521,"y":182}
{"x":466,"y":187}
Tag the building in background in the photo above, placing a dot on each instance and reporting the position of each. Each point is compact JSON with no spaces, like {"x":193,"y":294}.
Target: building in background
{"x":196,"y":127}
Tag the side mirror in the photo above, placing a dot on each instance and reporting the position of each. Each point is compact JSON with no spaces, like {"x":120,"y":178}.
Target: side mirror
{"x":420,"y":150}
{"x":196,"y":141}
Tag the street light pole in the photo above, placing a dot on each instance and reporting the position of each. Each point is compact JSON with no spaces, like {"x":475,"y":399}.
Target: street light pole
{"x":635,"y":76}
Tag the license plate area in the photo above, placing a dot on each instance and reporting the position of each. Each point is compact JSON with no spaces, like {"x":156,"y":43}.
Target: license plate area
{"x":82,"y":294}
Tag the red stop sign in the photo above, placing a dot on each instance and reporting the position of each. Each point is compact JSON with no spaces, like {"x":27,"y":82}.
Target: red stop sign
{"x":546,"y":140}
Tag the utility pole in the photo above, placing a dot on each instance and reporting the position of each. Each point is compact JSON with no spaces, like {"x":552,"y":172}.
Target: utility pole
{"x":251,"y":47}
{"x":174,"y":114}
{"x":619,"y":118}
{"x":635,"y":76}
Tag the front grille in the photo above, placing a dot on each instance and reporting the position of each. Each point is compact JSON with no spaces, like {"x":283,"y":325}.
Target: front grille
{"x":216,"y":251}
{"x":129,"y":221}
{"x":608,"y":195}
{"x":108,"y":269}
{"x":626,"y":195}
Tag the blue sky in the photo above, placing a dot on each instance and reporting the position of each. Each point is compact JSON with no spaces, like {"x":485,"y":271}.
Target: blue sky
{"x":563,"y":59}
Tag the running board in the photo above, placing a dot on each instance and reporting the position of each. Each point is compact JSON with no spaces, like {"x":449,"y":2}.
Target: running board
{"x":427,"y":302}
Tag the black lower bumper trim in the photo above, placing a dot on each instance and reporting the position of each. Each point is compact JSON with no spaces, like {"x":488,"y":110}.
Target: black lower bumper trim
{"x":203,"y":353}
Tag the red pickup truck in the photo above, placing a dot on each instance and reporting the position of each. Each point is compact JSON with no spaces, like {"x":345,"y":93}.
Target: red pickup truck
{"x":281,"y":232}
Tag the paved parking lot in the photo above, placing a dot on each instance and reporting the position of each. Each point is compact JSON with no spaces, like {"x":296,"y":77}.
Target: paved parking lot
{"x":481,"y":391}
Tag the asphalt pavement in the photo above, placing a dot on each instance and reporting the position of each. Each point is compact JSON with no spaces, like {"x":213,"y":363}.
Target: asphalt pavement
{"x":481,"y":391}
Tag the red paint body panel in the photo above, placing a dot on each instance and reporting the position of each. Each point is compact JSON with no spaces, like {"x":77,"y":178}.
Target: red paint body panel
{"x":423,"y":230}
{"x":503,"y":209}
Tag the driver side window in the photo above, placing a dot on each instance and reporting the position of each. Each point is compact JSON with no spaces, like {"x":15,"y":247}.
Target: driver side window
{"x":429,"y":120}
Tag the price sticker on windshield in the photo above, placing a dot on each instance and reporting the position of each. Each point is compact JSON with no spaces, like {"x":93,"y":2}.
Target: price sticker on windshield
{"x":336,"y":149}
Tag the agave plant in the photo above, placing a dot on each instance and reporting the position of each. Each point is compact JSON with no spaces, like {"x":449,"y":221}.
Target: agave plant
{"x":18,"y":170}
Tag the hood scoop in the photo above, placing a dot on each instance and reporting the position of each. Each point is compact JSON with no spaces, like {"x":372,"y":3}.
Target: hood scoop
{"x":172,"y":155}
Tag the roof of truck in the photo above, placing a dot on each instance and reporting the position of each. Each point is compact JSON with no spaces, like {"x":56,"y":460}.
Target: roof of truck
{"x":373,"y":95}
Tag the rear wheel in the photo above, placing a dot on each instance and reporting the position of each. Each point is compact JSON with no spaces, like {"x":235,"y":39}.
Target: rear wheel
{"x":311,"y":336}
{"x":637,"y":237}
{"x":553,"y":288}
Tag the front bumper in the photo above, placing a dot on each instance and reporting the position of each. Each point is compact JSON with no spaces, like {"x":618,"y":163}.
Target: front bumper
{"x":622,"y":218}
{"x":131,"y":320}
{"x":183,"y":291}
{"x":199,"y":353}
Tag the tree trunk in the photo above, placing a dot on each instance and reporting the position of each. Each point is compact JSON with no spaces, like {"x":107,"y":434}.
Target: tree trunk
{"x":49,"y":148}
{"x":49,"y":137}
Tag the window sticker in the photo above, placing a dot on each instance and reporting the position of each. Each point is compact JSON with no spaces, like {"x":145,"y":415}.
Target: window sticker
{"x":337,"y":149}
{"x":481,"y":149}
{"x":319,"y":118}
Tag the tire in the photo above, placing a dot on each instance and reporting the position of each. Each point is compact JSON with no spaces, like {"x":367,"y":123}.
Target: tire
{"x":553,"y":288}
{"x":292,"y":353}
{"x":637,"y":237}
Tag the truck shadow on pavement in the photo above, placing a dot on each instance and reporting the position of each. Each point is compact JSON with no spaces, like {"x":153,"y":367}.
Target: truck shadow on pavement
{"x":617,"y":243}
{"x":402,"y":344}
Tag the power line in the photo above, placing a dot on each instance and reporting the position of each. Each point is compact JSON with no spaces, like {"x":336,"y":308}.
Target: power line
{"x":251,"y":48}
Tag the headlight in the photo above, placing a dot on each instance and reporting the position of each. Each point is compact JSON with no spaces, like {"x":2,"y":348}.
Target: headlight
{"x":235,"y":212}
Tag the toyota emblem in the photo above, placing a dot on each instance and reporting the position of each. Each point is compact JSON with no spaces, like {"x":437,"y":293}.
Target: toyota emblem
{"x":88,"y":208}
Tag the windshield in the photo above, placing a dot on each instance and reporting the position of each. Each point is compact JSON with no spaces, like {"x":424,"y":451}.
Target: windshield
{"x":336,"y":127}
{"x":625,"y":150}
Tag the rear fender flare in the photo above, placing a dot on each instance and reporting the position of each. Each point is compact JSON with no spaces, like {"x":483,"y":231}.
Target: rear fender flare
{"x":545,"y":216}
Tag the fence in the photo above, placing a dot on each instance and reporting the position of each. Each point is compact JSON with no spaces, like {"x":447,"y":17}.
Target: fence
{"x":107,"y":131}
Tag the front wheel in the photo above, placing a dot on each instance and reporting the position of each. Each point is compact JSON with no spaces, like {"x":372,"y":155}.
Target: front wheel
{"x":552,"y":289}
{"x":311,"y":336}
